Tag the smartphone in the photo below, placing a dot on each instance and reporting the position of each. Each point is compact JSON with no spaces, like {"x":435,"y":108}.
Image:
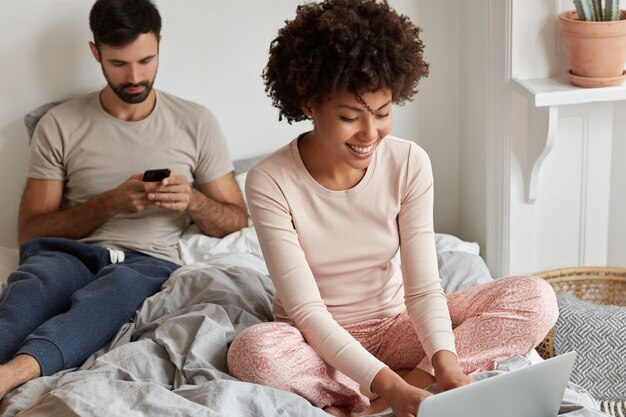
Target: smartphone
{"x":156,"y":175}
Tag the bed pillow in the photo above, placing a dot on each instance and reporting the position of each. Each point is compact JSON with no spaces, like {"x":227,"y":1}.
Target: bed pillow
{"x":460,"y":263}
{"x":194,"y":246}
{"x":242,"y":166}
{"x":32,"y":118}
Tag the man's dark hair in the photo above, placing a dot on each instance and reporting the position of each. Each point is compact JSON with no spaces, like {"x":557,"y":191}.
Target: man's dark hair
{"x":119,"y":22}
{"x":343,"y":45}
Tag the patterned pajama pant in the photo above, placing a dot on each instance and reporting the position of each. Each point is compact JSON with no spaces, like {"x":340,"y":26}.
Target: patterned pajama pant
{"x":491,"y":322}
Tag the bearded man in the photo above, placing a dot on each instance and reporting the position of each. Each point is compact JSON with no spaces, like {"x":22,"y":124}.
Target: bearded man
{"x":97,"y":234}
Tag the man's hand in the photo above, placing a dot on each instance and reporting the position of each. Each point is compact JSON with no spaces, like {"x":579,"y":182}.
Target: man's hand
{"x":172,"y":193}
{"x":217,"y":207}
{"x":130,"y":197}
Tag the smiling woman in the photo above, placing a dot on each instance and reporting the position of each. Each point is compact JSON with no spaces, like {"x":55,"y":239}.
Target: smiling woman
{"x":354,"y":331}
{"x":347,"y":131}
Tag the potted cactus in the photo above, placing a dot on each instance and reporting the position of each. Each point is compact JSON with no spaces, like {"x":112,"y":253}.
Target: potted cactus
{"x":595,"y":38}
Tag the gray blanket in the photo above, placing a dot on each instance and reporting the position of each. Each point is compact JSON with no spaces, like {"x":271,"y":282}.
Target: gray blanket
{"x":171,"y":359}
{"x":176,"y":363}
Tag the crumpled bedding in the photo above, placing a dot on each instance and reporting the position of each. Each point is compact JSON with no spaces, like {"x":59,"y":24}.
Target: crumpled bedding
{"x":176,"y":363}
{"x":171,"y":359}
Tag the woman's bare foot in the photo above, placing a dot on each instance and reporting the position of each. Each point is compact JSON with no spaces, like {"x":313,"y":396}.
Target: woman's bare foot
{"x":376,"y":406}
{"x":17,"y":371}
{"x":418,"y":378}
{"x":415,"y":377}
{"x":337,"y":412}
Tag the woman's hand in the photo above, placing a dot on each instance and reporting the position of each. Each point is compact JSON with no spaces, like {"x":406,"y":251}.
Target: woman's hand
{"x":403,"y":398}
{"x":452,"y":379}
{"x":448,"y":373}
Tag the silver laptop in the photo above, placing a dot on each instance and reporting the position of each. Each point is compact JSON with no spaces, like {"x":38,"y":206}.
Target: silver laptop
{"x":533,"y":391}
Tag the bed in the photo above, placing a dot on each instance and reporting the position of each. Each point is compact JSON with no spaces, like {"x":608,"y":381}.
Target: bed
{"x":170,"y":359}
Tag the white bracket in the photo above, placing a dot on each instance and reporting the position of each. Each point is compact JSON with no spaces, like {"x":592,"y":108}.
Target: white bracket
{"x":544,"y":97}
{"x":542,"y":124}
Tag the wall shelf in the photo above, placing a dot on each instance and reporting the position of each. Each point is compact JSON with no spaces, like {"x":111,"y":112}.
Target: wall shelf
{"x":559,"y":92}
{"x":544,"y":97}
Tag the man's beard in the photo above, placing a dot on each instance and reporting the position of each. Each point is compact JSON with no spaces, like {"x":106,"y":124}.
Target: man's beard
{"x":127,"y":97}
{"x":132,"y":98}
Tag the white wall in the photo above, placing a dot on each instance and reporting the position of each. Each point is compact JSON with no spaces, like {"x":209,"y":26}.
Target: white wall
{"x":212,"y":52}
{"x":617,"y":219}
{"x":473,"y":118}
{"x":439,"y":106}
{"x":538,"y":50}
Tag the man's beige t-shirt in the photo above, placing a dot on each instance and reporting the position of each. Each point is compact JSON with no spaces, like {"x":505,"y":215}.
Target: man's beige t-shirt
{"x":79,"y":143}
{"x":330,"y":253}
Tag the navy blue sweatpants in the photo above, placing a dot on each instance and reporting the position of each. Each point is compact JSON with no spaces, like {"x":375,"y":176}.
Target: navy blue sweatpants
{"x":67,"y":300}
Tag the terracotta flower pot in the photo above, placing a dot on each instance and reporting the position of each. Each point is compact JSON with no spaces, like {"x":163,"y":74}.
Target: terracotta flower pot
{"x":596,"y":50}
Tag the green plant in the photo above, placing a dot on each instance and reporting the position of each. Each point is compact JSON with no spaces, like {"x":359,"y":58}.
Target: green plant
{"x":595,"y":11}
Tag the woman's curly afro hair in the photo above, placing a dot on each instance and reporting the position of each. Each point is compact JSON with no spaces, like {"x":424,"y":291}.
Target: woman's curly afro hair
{"x":343,"y":45}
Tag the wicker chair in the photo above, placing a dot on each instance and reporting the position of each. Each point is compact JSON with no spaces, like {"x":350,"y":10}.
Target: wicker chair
{"x":598,"y":285}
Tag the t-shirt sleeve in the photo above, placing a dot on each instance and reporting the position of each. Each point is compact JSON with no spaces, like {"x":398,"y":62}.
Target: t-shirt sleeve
{"x":295,"y":284}
{"x":213,"y":157}
{"x":45,"y":160}
{"x":425,"y":299}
